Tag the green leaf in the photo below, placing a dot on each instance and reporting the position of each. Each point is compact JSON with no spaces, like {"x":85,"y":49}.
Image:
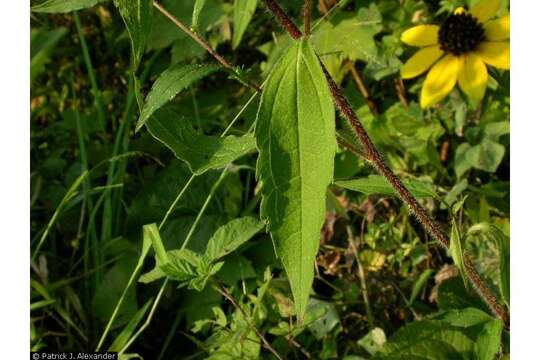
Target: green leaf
{"x":111,"y":289}
{"x":42,"y":43}
{"x":126,"y":333}
{"x":373,"y":341}
{"x":452,"y":196}
{"x":170,"y":83}
{"x":321,"y":317}
{"x":64,"y":6}
{"x":419,"y":284}
{"x":461,"y":163}
{"x":243,"y":12}
{"x":137,"y":16}
{"x":504,"y":266}
{"x":376,"y":184}
{"x":231,"y":235}
{"x":200,"y":152}
{"x":424,"y":339}
{"x":489,"y":340}
{"x":355,"y":34}
{"x":151,"y":232}
{"x":456,"y":250}
{"x":296,"y":140}
{"x":466,"y":317}
{"x":486,"y":156}
{"x":187,"y":266}
{"x":503,"y":244}
{"x":197,"y":8}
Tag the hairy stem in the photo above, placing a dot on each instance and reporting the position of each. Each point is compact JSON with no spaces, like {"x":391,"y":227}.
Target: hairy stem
{"x":377,"y":161}
{"x":203,"y":43}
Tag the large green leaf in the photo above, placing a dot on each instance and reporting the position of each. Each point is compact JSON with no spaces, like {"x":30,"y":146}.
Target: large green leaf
{"x":296,"y":140}
{"x":64,"y":6}
{"x":243,"y":12}
{"x":201,"y":152}
{"x":170,"y":83}
{"x":137,"y":16}
{"x":231,"y":235}
{"x":376,"y":184}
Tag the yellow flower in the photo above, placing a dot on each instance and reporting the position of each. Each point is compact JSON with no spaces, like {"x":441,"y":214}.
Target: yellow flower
{"x":460,"y":49}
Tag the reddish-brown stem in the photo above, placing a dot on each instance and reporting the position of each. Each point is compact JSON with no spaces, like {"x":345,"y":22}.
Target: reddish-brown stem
{"x":377,"y":161}
{"x":283,"y":19}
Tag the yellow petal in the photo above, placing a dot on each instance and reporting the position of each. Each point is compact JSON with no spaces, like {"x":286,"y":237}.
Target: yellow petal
{"x":473,"y":77}
{"x":485,"y":9}
{"x":440,"y":80}
{"x":460,"y":10}
{"x":498,"y":29}
{"x":421,"y":35}
{"x":495,"y":53}
{"x":421,"y":61}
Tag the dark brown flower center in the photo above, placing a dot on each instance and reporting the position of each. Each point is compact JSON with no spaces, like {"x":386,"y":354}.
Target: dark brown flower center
{"x":461,"y":33}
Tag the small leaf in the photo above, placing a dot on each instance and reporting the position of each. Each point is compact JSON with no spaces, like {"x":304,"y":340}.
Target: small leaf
{"x":181,"y":264}
{"x":452,"y":195}
{"x":42,"y":44}
{"x":486,"y":156}
{"x":197,"y":8}
{"x":170,"y":83}
{"x":461,"y":162}
{"x":296,"y":140}
{"x":231,"y":235}
{"x":489,"y":340}
{"x":137,"y":16}
{"x":243,"y":12}
{"x":503,"y":244}
{"x":373,"y":341}
{"x":467,"y":317}
{"x":151,"y":232}
{"x":190,"y":268}
{"x":64,"y":6}
{"x":355,"y":34}
{"x":322,"y":317}
{"x":419,"y":284}
{"x":200,"y":152}
{"x":504,"y":265}
{"x":376,"y":184}
{"x":456,"y":250}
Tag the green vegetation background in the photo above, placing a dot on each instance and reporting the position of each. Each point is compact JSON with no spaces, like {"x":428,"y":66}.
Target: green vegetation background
{"x":377,"y":270}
